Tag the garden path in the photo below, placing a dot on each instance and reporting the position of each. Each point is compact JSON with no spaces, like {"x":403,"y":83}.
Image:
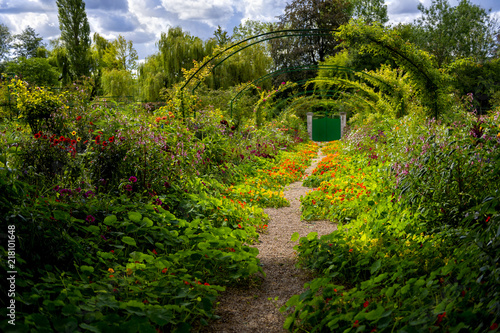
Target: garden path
{"x":249,"y":308}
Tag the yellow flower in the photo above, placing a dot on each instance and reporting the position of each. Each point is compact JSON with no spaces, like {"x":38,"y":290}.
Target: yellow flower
{"x":111,"y":270}
{"x":129,"y":271}
{"x":73,"y":133}
{"x":78,"y":139}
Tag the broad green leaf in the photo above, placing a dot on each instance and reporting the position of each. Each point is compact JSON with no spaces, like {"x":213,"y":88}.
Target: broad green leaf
{"x":129,"y":241}
{"x":85,"y":268}
{"x":312,"y":235}
{"x":135,"y":216}
{"x":375,"y":266}
{"x":109,"y":220}
{"x":295,"y":237}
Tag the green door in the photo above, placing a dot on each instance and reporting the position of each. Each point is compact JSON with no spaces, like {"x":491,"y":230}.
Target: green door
{"x":326,"y":129}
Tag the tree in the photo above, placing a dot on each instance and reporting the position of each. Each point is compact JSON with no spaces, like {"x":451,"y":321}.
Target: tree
{"x":126,"y":55}
{"x":308,"y":50}
{"x":456,"y":32}
{"x":4,"y":41}
{"x":222,"y":36}
{"x":75,"y":33}
{"x":27,"y":43}
{"x":59,"y":58}
{"x":178,"y":49}
{"x":370,"y":11}
{"x":36,"y":71}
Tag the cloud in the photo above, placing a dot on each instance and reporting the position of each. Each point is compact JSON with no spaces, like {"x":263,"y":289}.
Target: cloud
{"x":107,"y":5}
{"x":407,"y":7}
{"x":262,"y":10}
{"x":118,"y":23}
{"x":210,"y":12}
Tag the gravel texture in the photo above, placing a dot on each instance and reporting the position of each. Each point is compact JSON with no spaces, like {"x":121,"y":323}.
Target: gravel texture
{"x":254,"y":308}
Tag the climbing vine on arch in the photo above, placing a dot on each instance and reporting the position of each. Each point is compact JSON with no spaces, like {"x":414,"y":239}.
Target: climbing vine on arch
{"x":418,"y":65}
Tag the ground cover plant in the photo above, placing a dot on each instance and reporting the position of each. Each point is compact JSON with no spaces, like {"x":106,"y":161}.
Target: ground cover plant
{"x":133,"y":220}
{"x":417,"y":249}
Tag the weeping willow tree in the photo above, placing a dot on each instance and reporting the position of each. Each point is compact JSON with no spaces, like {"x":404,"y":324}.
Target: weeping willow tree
{"x":177,"y":51}
{"x":151,"y":79}
{"x":118,"y":83}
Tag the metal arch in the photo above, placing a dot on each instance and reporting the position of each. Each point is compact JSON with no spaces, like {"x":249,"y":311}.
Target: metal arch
{"x":302,"y":68}
{"x":254,"y":37}
{"x":327,"y":90}
{"x":259,"y":41}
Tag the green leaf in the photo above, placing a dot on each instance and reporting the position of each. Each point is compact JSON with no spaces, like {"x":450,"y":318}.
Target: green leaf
{"x":312,"y":235}
{"x":90,"y":328}
{"x":148,"y":222}
{"x":135,"y":216}
{"x":69,"y":310}
{"x":129,"y":241}
{"x":109,"y":220}
{"x":389,"y":292}
{"x":85,"y":268}
{"x":375,"y":314}
{"x":375,"y":266}
{"x":295,"y":237}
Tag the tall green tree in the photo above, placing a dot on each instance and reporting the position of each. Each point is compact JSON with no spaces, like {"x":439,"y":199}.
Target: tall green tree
{"x":309,"y":50}
{"x":27,"y":43}
{"x":456,"y":32}
{"x":370,"y":11}
{"x":5,"y":39}
{"x":75,"y":33}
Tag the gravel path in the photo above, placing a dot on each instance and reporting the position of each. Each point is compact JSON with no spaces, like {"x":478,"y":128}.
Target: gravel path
{"x":249,"y":308}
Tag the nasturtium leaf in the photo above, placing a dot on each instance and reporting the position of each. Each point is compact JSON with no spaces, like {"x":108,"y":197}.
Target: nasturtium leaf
{"x":295,"y":237}
{"x":129,"y":241}
{"x":375,"y":314}
{"x":109,"y":220}
{"x":312,"y":235}
{"x":148,"y":222}
{"x":375,"y":266}
{"x":135,"y":216}
{"x":85,"y":268}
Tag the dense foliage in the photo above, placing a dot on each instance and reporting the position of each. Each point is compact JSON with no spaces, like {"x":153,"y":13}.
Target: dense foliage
{"x":418,"y":248}
{"x":128,"y":220}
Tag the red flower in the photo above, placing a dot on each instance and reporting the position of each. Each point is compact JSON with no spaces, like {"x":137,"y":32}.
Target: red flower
{"x":112,"y":251}
{"x":239,"y":226}
{"x":356,"y":323}
{"x":350,"y":250}
{"x":105,"y":143}
{"x":493,"y":326}
{"x":78,"y":118}
{"x":488,"y":218}
{"x":154,"y":251}
{"x":164,"y":270}
{"x":73,"y":142}
{"x":365,"y":305}
{"x":374,"y":330}
{"x":97,"y":139}
{"x":186,"y":283}
{"x":463,"y":293}
{"x":206,"y":284}
{"x":111,"y":139}
{"x":440,"y":318}
{"x":37,"y":136}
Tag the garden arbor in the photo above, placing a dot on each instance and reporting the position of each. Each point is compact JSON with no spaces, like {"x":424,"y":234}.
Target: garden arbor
{"x":375,"y":39}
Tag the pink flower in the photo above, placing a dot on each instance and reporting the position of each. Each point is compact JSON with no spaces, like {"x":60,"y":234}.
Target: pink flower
{"x":133,"y":179}
{"x":90,"y":219}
